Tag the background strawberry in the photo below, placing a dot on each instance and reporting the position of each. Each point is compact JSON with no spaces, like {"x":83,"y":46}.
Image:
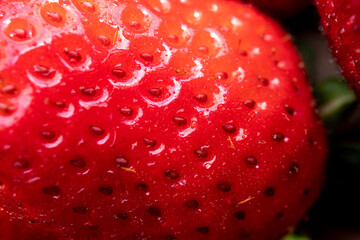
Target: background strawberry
{"x":341,"y":24}
{"x":281,"y":8}
{"x":154,"y":119}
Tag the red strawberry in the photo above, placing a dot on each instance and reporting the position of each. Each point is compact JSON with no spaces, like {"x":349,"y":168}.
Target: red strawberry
{"x":15,"y":230}
{"x":341,"y":22}
{"x":281,"y":8}
{"x":155,"y":120}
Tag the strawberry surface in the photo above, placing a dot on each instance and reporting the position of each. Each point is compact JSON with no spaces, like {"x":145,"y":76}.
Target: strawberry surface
{"x":281,"y":8}
{"x":11,"y":229}
{"x":154,"y":120}
{"x":341,"y":23}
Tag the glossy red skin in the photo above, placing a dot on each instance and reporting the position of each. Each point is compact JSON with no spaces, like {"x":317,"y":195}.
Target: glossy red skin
{"x":50,"y":122}
{"x":341,"y":23}
{"x":281,"y":8}
{"x":16,"y":230}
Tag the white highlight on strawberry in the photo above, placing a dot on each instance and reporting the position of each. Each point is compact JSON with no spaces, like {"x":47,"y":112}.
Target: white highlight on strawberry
{"x":243,"y":133}
{"x":45,"y":83}
{"x":101,"y":102}
{"x":239,"y":74}
{"x":57,"y":142}
{"x":69,"y":112}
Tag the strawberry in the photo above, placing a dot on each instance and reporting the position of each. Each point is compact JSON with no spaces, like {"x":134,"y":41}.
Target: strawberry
{"x":341,"y":25}
{"x":154,"y":119}
{"x":15,"y":230}
{"x":281,"y":8}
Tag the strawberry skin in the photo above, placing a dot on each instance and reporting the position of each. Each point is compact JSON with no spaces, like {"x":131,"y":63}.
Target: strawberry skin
{"x":341,"y":23}
{"x":16,"y":230}
{"x":154,"y":119}
{"x":281,"y":8}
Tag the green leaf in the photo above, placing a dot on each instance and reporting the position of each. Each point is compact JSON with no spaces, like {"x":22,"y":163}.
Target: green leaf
{"x":334,"y":99}
{"x":296,"y":237}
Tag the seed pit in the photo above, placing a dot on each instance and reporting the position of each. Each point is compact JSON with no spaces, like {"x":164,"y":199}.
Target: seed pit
{"x":289,"y":109}
{"x":121,"y":162}
{"x":155,"y":92}
{"x":149,"y":142}
{"x":106,"y":190}
{"x":74,"y":56}
{"x":229,"y":128}
{"x":180,"y":121}
{"x":21,"y":163}
{"x":141,"y":187}
{"x":264,"y":81}
{"x":192,"y":204}
{"x":249,"y":103}
{"x":78,"y":162}
{"x":203,"y":230}
{"x":224,"y":186}
{"x":120,"y":73}
{"x":9,"y":89}
{"x":148,"y":57}
{"x":104,"y":40}
{"x":51,"y":190}
{"x":96,"y":130}
{"x":123,"y":216}
{"x":80,"y":209}
{"x":47,"y":134}
{"x":294,"y":168}
{"x":201,"y":97}
{"x":154,"y":211}
{"x":43,"y":71}
{"x":172,"y":174}
{"x":278,"y":137}
{"x":88,"y":91}
{"x":202,"y":152}
{"x":251,"y":160}
{"x":270,"y":191}
{"x":240,"y":215}
{"x":126,"y":111}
